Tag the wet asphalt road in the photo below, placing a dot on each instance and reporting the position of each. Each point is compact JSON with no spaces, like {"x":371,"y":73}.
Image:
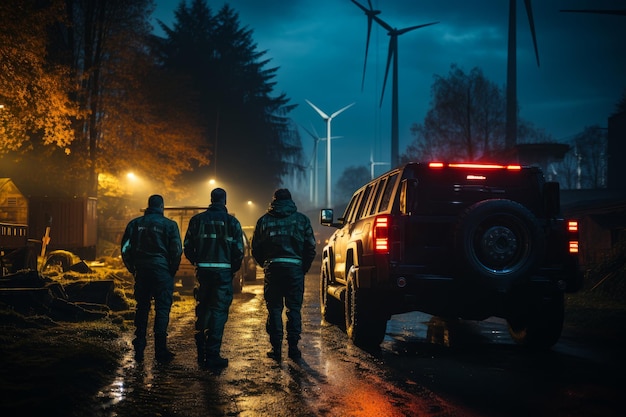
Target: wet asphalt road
{"x":425,"y":367}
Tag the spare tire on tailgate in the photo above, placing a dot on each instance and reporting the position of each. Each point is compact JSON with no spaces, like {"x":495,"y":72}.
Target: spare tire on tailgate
{"x":499,"y":241}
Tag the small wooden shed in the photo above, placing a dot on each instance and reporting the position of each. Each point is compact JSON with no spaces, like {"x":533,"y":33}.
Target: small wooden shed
{"x":13,"y":204}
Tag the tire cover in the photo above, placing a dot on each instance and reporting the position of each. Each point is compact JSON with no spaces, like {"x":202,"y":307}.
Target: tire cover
{"x":499,"y":240}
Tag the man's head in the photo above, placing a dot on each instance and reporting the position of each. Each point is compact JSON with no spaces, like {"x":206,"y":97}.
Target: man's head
{"x":155,"y":201}
{"x":218,"y":196}
{"x":282,"y":194}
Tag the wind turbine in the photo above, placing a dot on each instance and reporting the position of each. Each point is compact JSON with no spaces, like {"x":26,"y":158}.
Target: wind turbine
{"x":328,"y":120}
{"x":391,"y":54}
{"x":511,"y":73}
{"x":370,"y":17}
{"x":372,"y":164}
{"x":313,"y":165}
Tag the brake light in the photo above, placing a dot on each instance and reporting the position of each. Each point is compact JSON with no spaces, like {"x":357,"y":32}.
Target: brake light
{"x":572,"y":230}
{"x":381,"y":234}
{"x":475,"y":166}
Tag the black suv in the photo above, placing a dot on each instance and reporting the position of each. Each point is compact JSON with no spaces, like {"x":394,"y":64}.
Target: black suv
{"x":458,"y":241}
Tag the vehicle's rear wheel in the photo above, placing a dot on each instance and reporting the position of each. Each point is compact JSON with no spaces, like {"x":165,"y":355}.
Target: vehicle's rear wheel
{"x":499,"y":241}
{"x":331,"y":308}
{"x":365,"y":324}
{"x":539,"y":326}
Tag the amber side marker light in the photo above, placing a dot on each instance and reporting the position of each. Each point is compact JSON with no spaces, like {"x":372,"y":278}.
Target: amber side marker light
{"x":572,"y":228}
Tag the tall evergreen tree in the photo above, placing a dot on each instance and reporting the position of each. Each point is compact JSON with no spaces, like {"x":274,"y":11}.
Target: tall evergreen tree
{"x":230,"y":89}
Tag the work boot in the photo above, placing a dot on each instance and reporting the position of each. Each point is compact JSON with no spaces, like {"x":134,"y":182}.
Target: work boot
{"x":294,"y":353}
{"x":201,"y":347}
{"x":216,"y":361}
{"x":161,"y":352}
{"x":139,"y":344}
{"x":275,"y":353}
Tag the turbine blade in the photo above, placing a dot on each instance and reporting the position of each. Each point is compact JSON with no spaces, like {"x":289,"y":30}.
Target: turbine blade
{"x":315,"y":131}
{"x":367,"y":45}
{"x":321,"y":113}
{"x":405,"y":30}
{"x":341,"y":110}
{"x":390,"y":53}
{"x":617,"y":12}
{"x":531,"y":22}
{"x":360,"y":6}
{"x":315,"y":138}
{"x":370,"y":13}
{"x":382,"y":23}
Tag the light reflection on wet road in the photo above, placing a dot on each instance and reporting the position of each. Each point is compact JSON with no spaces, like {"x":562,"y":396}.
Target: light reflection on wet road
{"x":426,"y":367}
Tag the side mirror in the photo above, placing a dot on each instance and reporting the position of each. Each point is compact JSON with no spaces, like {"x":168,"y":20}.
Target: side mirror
{"x":326,"y":217}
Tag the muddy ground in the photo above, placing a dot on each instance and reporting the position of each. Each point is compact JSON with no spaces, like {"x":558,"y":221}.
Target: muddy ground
{"x":86,"y":368}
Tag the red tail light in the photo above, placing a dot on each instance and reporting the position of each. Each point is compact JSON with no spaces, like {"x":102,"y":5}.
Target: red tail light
{"x":572,"y":230}
{"x":381,"y":234}
{"x":475,"y":166}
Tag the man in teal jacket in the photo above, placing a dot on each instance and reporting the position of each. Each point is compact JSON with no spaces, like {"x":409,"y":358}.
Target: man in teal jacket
{"x":214,"y":244}
{"x":284,"y":243}
{"x":151,"y":251}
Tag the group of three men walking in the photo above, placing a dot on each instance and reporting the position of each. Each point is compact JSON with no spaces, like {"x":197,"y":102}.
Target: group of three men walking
{"x":283,"y":243}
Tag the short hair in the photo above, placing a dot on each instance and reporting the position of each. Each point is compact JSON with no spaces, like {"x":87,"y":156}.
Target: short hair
{"x":218,"y":195}
{"x":282,"y":194}
{"x":155,"y":201}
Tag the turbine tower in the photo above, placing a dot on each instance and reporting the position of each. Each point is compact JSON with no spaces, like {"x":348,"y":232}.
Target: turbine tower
{"x":511,"y":73}
{"x":373,"y":164}
{"x":392,"y":54}
{"x":328,"y":120}
{"x":313,"y":166}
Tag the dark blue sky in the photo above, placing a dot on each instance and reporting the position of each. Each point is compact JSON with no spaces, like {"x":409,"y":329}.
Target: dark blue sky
{"x":319,"y":47}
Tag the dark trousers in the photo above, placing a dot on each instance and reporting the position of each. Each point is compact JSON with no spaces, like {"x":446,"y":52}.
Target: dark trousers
{"x":155,"y":283}
{"x":283,"y":288}
{"x":214,"y":295}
